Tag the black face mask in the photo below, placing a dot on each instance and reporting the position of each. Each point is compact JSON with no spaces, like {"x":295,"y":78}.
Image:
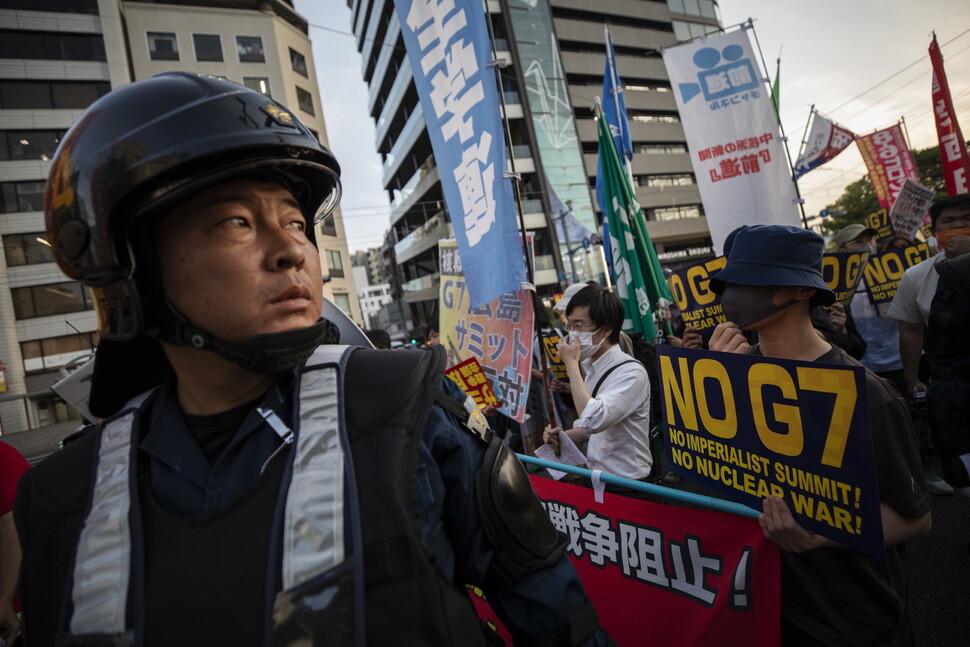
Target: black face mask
{"x":747,"y":305}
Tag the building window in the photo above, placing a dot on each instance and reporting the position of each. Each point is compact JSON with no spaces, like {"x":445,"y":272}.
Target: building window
{"x":662,"y":149}
{"x":26,"y":249}
{"x":250,"y":49}
{"x":703,"y":8}
{"x":18,"y":197}
{"x":60,"y":6}
{"x":163,"y":46}
{"x":685,"y":30}
{"x":51,"y":46}
{"x":647,"y":119}
{"x":29,"y":144}
{"x":677,"y":213}
{"x":305,"y":99}
{"x":335,"y":264}
{"x":208,"y":47}
{"x":298,"y":62}
{"x":342,"y":301}
{"x":258,"y":83}
{"x":54,"y":352}
{"x":327,"y":227}
{"x":50,"y":94}
{"x":52,"y":299}
{"x":666,"y":180}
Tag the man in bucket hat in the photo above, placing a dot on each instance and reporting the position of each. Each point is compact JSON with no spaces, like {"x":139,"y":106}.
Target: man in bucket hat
{"x":831,"y":595}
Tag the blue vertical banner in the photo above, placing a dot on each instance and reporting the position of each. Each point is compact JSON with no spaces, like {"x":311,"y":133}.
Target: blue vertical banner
{"x":614,"y":111}
{"x":448,"y":47}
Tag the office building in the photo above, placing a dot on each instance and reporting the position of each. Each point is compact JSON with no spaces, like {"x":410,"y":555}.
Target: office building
{"x":553,"y":59}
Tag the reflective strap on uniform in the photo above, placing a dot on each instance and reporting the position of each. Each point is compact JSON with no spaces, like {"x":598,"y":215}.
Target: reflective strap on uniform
{"x":102,"y":567}
{"x":313,"y":528}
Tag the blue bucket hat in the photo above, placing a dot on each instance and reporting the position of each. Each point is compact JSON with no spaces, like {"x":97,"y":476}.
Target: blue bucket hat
{"x":775,"y":255}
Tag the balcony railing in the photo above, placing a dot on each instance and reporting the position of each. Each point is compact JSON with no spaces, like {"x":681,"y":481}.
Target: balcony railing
{"x":422,"y":283}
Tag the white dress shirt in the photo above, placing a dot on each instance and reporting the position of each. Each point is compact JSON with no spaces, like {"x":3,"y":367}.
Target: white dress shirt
{"x":618,"y":418}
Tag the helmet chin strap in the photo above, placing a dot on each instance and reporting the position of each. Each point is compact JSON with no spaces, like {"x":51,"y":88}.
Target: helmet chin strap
{"x":270,"y":353}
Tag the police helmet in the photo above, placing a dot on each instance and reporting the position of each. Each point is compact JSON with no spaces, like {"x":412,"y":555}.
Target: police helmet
{"x":137,"y":152}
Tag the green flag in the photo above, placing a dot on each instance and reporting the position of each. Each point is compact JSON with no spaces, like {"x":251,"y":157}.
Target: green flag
{"x":776,"y":92}
{"x":639,"y":279}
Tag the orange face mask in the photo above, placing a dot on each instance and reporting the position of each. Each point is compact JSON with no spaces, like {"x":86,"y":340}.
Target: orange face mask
{"x":943,"y":237}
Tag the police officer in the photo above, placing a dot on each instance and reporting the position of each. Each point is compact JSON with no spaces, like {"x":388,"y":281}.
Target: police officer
{"x":253,"y":482}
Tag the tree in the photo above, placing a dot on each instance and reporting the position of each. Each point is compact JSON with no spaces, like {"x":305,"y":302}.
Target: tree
{"x":858,"y":199}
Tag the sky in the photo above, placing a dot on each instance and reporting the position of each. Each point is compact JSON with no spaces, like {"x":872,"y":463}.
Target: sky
{"x":862,"y":63}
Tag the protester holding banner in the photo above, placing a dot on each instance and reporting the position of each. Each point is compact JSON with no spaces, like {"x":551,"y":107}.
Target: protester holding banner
{"x":881,"y":333}
{"x":613,"y":401}
{"x":911,"y":305}
{"x":831,"y":594}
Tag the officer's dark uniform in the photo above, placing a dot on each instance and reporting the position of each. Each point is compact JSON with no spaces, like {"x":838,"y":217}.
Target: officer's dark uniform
{"x":202,"y":544}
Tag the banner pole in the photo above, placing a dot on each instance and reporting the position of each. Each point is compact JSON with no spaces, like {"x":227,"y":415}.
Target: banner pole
{"x":808,"y":124}
{"x":512,"y":174}
{"x":909,"y":145}
{"x":523,"y":233}
{"x":678,"y":495}
{"x":784,"y":137}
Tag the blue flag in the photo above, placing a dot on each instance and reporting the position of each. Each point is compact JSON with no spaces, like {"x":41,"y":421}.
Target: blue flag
{"x":448,"y":47}
{"x":614,"y":111}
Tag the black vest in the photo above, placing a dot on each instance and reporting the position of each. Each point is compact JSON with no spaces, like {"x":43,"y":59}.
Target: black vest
{"x":406,"y":599}
{"x":946,"y":341}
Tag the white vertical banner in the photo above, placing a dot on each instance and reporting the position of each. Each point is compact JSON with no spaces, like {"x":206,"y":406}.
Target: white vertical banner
{"x":739,"y":159}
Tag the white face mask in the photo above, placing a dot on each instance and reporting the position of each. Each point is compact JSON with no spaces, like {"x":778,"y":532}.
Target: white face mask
{"x":585,"y":340}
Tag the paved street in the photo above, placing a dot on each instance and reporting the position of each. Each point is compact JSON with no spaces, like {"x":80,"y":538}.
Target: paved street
{"x":939,"y":569}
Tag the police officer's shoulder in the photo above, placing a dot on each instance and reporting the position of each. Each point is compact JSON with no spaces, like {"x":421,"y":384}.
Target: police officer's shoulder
{"x":61,"y":482}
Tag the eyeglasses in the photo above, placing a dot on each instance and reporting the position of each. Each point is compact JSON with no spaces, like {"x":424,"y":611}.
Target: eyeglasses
{"x":578,"y":327}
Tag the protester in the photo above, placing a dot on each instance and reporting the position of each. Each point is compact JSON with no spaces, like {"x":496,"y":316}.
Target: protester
{"x":255,"y":484}
{"x":831,"y":595}
{"x":950,"y":219}
{"x":379,"y":337}
{"x":880,"y":333}
{"x":896,"y":241}
{"x":613,"y":401}
{"x":12,"y":467}
{"x":948,"y":351}
{"x":431,"y":335}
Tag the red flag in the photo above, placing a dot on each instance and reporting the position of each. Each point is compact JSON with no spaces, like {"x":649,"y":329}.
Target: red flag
{"x":890,"y":162}
{"x":953,"y":148}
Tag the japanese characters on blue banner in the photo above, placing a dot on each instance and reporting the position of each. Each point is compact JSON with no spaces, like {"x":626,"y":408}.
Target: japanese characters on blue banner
{"x":447,"y":44}
{"x":690,"y":285}
{"x":883,"y":272}
{"x":842,"y":272}
{"x":749,"y":427}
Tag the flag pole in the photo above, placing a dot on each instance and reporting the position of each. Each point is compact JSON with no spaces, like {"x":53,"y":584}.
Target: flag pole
{"x":523,"y":232}
{"x":784,"y":138}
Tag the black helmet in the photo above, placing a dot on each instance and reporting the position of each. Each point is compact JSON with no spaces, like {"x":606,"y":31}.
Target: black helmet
{"x":140,"y":150}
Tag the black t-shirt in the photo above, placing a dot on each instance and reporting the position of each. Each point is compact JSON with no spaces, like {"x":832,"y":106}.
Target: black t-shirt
{"x":840,"y":595}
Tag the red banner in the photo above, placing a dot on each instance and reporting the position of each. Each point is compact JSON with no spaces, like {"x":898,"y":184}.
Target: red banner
{"x":953,"y":149}
{"x":665,"y":575}
{"x":889,"y":161}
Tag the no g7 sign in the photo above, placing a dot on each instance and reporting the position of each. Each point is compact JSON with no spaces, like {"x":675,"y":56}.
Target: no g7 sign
{"x":748,"y":427}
